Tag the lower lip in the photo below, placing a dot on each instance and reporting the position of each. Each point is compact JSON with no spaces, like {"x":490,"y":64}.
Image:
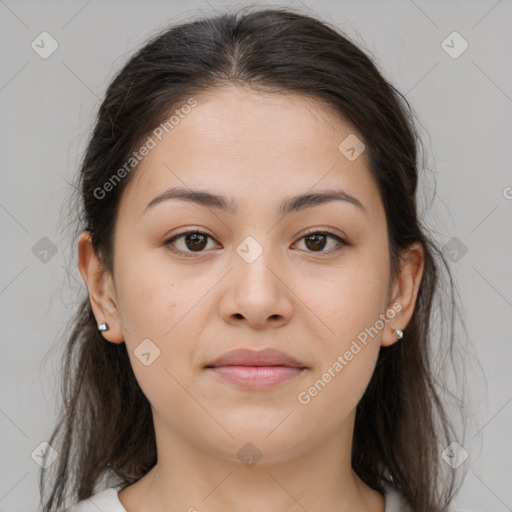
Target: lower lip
{"x":256,"y":376}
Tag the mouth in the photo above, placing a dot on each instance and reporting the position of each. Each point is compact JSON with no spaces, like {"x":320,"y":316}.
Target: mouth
{"x":249,"y":369}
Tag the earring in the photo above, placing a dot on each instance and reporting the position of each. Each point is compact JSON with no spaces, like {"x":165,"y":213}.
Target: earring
{"x":399,"y":334}
{"x":103,"y":327}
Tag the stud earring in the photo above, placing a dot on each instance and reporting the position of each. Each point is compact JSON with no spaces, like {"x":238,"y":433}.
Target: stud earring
{"x":103,"y":327}
{"x":399,"y":334}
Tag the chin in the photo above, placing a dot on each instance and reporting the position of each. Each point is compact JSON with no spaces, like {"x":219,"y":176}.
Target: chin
{"x":258,"y":444}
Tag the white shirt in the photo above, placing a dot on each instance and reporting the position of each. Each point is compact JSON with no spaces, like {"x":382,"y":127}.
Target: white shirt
{"x":108,"y":501}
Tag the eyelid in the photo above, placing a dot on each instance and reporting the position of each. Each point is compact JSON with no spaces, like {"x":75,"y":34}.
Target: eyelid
{"x":326,"y":231}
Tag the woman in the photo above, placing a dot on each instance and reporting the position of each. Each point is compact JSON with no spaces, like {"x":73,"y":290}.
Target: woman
{"x":260,"y":288}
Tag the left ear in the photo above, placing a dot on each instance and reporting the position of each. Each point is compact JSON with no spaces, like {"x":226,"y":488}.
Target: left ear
{"x":405,"y":292}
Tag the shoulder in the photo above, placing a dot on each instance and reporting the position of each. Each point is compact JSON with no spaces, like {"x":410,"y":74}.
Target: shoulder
{"x":395,"y":502}
{"x":106,"y":501}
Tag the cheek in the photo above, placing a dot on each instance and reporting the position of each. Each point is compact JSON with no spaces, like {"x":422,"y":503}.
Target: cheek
{"x":152,"y":291}
{"x":157,"y":315}
{"x":146,"y":298}
{"x":349,"y":299}
{"x":337,"y":389}
{"x":350,"y":306}
{"x":163,"y":303}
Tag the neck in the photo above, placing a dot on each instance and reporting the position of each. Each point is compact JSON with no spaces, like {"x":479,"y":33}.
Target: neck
{"x":189,"y":477}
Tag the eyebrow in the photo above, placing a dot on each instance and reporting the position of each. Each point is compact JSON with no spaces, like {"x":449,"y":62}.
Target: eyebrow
{"x":289,"y":205}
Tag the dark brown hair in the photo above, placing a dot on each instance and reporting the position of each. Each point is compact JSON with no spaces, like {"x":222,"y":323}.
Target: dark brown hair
{"x":105,"y":435}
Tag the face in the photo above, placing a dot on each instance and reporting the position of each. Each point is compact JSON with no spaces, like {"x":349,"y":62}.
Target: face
{"x":312,"y":283}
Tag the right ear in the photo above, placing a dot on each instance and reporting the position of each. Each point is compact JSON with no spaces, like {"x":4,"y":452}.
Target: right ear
{"x":100,"y":286}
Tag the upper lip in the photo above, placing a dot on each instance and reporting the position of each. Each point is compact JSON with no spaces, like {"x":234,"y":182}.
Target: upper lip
{"x":248,"y":357}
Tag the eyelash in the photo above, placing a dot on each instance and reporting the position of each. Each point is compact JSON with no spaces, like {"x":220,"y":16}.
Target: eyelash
{"x":188,"y":254}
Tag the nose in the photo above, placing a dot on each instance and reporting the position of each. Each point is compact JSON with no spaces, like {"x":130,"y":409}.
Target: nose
{"x":256,"y":292}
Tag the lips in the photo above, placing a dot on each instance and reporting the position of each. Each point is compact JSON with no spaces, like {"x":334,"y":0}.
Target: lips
{"x":252,"y":370}
{"x":247,"y":357}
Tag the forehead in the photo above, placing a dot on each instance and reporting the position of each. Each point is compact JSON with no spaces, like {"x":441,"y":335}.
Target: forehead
{"x":258,"y":147}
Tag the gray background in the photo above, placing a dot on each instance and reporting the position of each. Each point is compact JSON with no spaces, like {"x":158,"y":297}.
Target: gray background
{"x":464,"y":105}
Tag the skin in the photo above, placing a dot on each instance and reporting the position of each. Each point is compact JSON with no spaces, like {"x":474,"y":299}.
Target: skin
{"x":257,"y":149}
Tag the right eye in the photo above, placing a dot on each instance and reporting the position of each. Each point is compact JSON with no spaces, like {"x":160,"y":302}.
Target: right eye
{"x":193,"y":240}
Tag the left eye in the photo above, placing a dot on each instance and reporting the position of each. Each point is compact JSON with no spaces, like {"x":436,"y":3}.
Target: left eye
{"x":197,"y":240}
{"x":317,"y":240}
